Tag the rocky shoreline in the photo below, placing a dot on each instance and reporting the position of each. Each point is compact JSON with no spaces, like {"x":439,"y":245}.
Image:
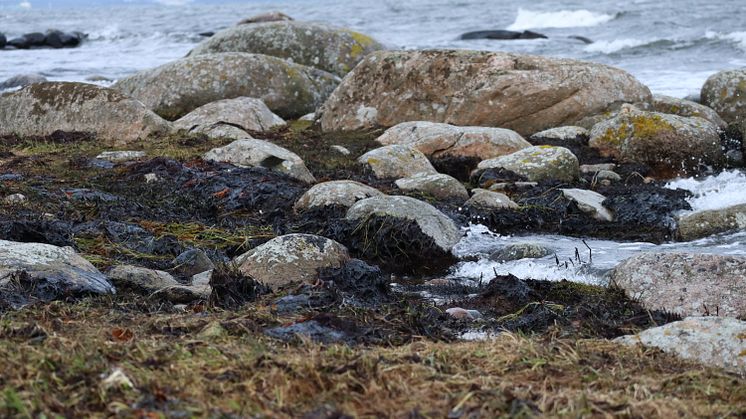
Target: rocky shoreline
{"x":305,"y":172}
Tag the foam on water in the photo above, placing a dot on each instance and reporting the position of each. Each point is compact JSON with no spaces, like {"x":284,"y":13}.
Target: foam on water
{"x":529,"y":19}
{"x":714,"y":192}
{"x":738,"y":38}
{"x":576,"y":262}
{"x":610,"y":47}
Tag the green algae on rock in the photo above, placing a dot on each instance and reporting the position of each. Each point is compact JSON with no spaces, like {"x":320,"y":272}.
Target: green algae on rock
{"x":328,"y":48}
{"x":669,"y":143}
{"x":41,"y":109}
{"x":175,"y":89}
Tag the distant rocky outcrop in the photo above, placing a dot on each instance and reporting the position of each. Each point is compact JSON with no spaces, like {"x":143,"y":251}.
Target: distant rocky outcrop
{"x":51,"y":39}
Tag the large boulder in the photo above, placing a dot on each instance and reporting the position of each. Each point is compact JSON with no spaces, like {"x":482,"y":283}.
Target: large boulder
{"x":725,"y":93}
{"x":48,"y":272}
{"x":43,"y":108}
{"x":538,"y":163}
{"x":432,"y":222}
{"x":437,"y":185}
{"x":685,"y":283}
{"x":342,"y":193}
{"x":243,"y":113}
{"x":396,"y":161}
{"x":177,"y":88}
{"x":683,"y":107}
{"x":439,"y":140}
{"x":521,"y":92}
{"x":331,"y":49}
{"x":250,"y":152}
{"x":291,"y":259}
{"x":713,"y":341}
{"x":700,"y":224}
{"x":3,"y":40}
{"x":663,"y":141}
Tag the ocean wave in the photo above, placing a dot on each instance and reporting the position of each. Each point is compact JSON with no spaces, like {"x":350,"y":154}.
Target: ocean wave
{"x":610,"y":47}
{"x":529,"y":19}
{"x":738,"y":38}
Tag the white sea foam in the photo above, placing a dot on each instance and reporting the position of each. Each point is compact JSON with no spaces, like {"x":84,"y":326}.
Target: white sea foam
{"x":24,"y":5}
{"x":173,"y":2}
{"x":738,"y":38}
{"x":609,"y":47}
{"x":714,"y":192}
{"x":529,"y":19}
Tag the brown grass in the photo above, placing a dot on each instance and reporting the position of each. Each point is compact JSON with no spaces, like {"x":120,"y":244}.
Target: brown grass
{"x":217,"y":364}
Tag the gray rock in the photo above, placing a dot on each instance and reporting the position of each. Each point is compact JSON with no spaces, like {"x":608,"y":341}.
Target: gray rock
{"x":562,"y":134}
{"x":342,"y":193}
{"x":292,"y":259}
{"x":43,"y":108}
{"x":341,"y":150}
{"x":437,"y":185}
{"x":140,"y":279}
{"x":241,"y":114}
{"x":15,"y":198}
{"x":524,"y":93}
{"x":191,"y":263}
{"x":22,"y":80}
{"x":440,"y":140}
{"x":589,"y":202}
{"x":520,"y":251}
{"x":663,"y":141}
{"x":332,"y":49}
{"x":489,"y":199}
{"x":687,"y":108}
{"x":177,"y":88}
{"x":258,"y":153}
{"x":310,"y":117}
{"x":396,"y":161}
{"x":607,"y":177}
{"x":56,"y":271}
{"x":725,"y":93}
{"x":265,"y":17}
{"x":432,"y":222}
{"x":538,"y":163}
{"x":685,"y":283}
{"x":119,"y":156}
{"x":593,"y":168}
{"x":701,"y":224}
{"x":713,"y":341}
{"x":222,"y":130}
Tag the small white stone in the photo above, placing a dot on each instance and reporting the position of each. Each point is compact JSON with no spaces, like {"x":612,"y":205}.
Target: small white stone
{"x":118,"y":156}
{"x":16,"y":198}
{"x":151,"y":178}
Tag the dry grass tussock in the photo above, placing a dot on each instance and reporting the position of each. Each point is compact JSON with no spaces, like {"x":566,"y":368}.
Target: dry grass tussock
{"x":100,"y":358}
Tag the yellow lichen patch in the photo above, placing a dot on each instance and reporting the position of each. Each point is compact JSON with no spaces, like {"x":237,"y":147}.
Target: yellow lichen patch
{"x":360,"y":44}
{"x":649,"y":126}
